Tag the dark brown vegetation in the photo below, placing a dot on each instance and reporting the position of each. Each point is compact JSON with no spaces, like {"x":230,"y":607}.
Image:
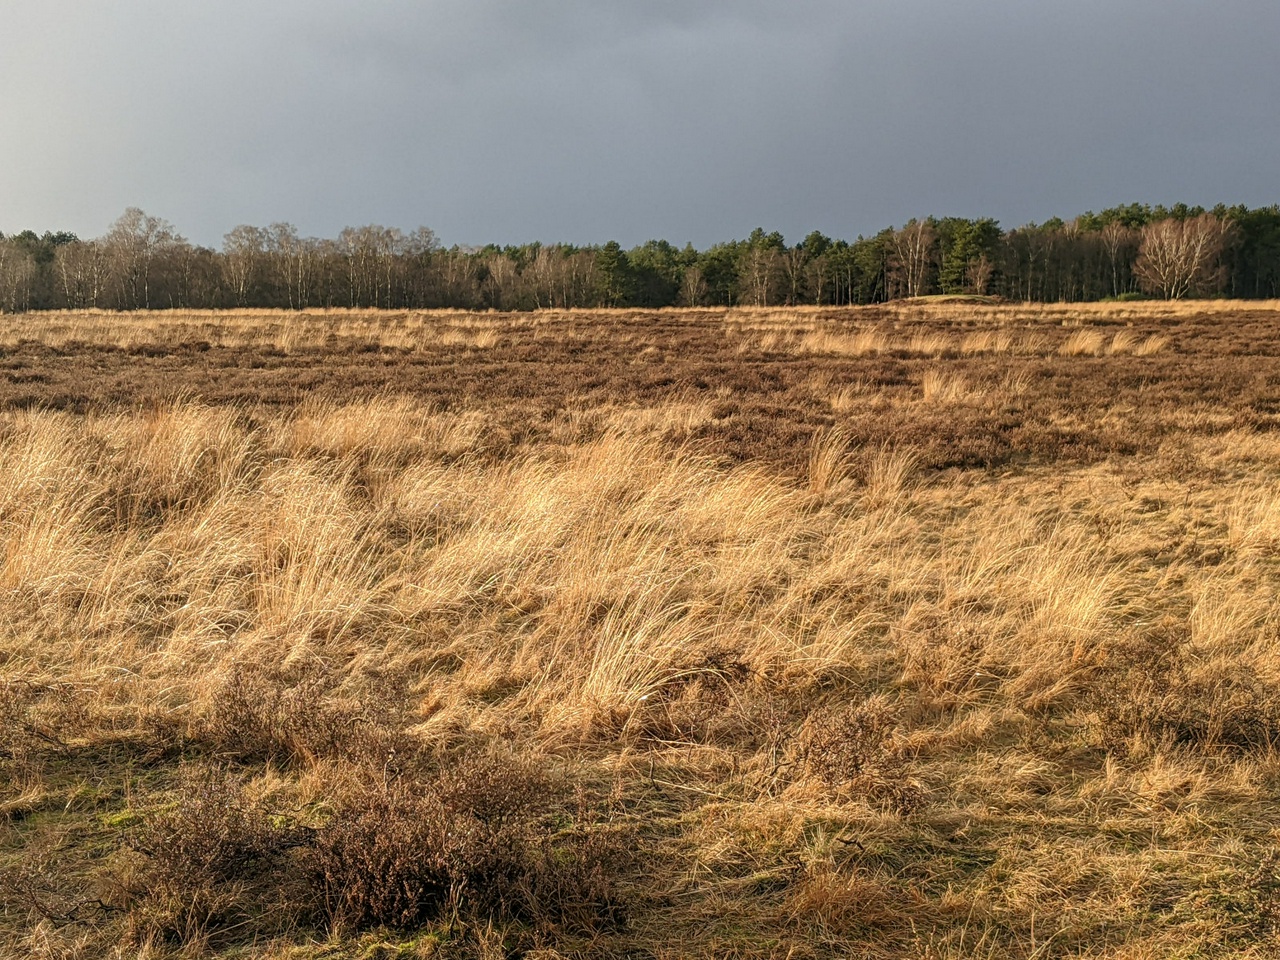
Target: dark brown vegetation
{"x":524,"y":373}
{"x":928,"y":630}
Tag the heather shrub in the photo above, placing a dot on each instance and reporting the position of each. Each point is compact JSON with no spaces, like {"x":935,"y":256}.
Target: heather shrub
{"x":474,"y":840}
{"x":1149,"y":694}
{"x":212,"y":859}
{"x":854,"y":750}
{"x":34,"y":715}
{"x":258,"y":716}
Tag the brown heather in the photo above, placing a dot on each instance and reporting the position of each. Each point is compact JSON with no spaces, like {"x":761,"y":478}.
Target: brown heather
{"x":920,"y":631}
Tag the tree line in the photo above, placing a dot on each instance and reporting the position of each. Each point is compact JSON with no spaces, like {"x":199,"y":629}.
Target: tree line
{"x":142,"y":262}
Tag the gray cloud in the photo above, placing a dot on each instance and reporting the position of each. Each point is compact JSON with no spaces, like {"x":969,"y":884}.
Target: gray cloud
{"x":581,"y":121}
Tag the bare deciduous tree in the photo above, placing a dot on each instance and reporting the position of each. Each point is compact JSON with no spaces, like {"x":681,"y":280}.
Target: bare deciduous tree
{"x":1180,"y":258}
{"x":762,"y":268}
{"x":1117,"y":241}
{"x":693,"y":288}
{"x":914,"y":249}
{"x":85,"y":269}
{"x":371,"y":253}
{"x":501,"y":281}
{"x":456,"y":279}
{"x":243,"y":250}
{"x":293,"y":262}
{"x":134,"y":241}
{"x":977,"y":275}
{"x":16,"y":271}
{"x":543,"y":274}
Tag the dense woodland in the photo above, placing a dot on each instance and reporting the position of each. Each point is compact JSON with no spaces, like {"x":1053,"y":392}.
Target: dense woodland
{"x":1128,"y":251}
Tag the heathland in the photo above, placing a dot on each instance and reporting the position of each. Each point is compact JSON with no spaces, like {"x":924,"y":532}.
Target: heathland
{"x":923,"y":630}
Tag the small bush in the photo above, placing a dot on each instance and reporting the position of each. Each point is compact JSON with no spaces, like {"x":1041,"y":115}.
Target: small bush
{"x":1138,"y":677}
{"x":502,"y":790}
{"x":1262,"y":886}
{"x":854,"y":749}
{"x":471,"y":841}
{"x":1147,"y":694}
{"x":569,"y":880}
{"x":42,"y":884}
{"x":400,"y":851}
{"x":200,"y":858}
{"x":474,"y":840}
{"x":35,"y":715}
{"x":260,"y":716}
{"x":699,"y":703}
{"x":390,"y":856}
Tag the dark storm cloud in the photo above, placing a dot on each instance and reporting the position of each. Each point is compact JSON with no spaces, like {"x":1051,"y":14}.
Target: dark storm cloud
{"x":582,"y":121}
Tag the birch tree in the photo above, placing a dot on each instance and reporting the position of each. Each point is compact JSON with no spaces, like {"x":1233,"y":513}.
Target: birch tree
{"x":243,"y":250}
{"x":134,"y":241}
{"x":1182,"y":257}
{"x":914,"y":248}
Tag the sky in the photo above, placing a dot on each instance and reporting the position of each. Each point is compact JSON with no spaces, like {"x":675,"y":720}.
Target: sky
{"x":582,"y":121}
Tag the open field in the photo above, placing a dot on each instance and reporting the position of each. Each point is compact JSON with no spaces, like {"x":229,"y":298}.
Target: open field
{"x":930,"y":631}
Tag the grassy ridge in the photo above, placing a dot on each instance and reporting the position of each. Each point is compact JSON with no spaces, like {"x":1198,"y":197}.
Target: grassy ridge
{"x":369,"y":674}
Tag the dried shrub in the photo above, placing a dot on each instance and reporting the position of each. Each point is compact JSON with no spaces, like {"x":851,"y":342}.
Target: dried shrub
{"x":1227,"y":709}
{"x":1263,"y":893}
{"x":43,"y":885}
{"x":1147,"y":694}
{"x":475,"y":839}
{"x":569,"y":880}
{"x":700,"y":702}
{"x":391,"y":855}
{"x":499,"y":788}
{"x":471,"y":841}
{"x":38,"y":715}
{"x":212,"y":859}
{"x":855,"y":750}
{"x":257,"y":716}
{"x":948,"y":660}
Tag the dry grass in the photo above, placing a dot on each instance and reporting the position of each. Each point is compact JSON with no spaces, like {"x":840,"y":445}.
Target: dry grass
{"x":942,"y":386}
{"x":874,"y":341}
{"x":1086,"y":341}
{"x":354,"y":676}
{"x":1095,"y":342}
{"x":283,"y":330}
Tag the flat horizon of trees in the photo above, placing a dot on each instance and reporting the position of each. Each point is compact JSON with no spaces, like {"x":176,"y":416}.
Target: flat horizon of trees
{"x":142,"y":262}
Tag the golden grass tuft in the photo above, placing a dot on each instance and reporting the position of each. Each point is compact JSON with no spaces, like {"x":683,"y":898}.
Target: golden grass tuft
{"x":1084,"y":342}
{"x":942,"y":386}
{"x":1149,"y":346}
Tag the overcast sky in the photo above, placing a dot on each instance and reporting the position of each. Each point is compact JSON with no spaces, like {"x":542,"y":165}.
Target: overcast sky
{"x":586,"y":120}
